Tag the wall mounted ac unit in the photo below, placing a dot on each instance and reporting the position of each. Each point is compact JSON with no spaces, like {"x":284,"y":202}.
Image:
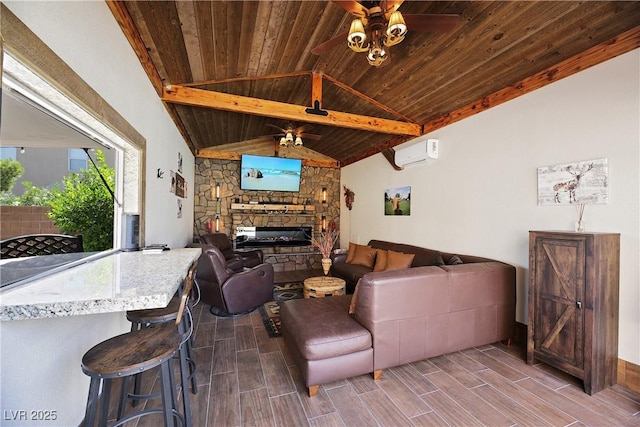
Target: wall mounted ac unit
{"x":418,"y":151}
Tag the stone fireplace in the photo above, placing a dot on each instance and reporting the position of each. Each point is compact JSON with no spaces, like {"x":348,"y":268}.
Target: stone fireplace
{"x":233,"y":207}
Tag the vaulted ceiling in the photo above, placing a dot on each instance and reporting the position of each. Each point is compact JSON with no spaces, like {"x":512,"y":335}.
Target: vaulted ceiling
{"x":226,"y":70}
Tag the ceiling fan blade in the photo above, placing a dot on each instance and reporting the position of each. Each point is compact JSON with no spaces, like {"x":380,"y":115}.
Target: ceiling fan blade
{"x":301,"y":129}
{"x":431,"y":23}
{"x":310,"y":136}
{"x":330,"y":44}
{"x":277,"y":127}
{"x":353,"y":7}
{"x":390,"y":6}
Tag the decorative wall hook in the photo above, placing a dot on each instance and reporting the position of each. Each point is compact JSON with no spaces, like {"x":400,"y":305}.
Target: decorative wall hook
{"x":349,"y":197}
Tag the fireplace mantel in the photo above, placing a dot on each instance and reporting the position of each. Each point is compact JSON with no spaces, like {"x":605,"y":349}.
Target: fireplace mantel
{"x":273,"y":207}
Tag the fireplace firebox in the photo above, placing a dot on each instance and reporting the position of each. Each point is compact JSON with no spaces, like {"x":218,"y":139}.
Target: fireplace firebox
{"x":247,"y":237}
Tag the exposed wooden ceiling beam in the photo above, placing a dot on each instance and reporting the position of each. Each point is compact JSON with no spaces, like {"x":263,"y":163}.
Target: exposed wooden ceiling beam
{"x":229,"y":155}
{"x":245,"y":79}
{"x":390,"y":155}
{"x":262,"y":107}
{"x":368,"y":99}
{"x":316,"y":90}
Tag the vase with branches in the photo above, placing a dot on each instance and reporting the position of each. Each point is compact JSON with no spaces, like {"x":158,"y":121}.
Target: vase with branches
{"x":325,"y":241}
{"x":580,"y":222}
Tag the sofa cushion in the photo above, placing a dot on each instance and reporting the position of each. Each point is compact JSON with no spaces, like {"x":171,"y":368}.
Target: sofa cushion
{"x":437,"y":259}
{"x":351,"y":253}
{"x":454,"y":260}
{"x":424,"y":257}
{"x":381,"y":260}
{"x":322,"y":327}
{"x":398,"y":261}
{"x":364,"y":255}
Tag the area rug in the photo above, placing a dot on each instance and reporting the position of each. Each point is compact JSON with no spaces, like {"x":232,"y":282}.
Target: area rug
{"x":270,"y":311}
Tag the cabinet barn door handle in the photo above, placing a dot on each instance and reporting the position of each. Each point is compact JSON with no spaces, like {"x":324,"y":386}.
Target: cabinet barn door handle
{"x":579,"y":304}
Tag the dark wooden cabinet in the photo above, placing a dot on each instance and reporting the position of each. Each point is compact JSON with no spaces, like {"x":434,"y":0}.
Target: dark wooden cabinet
{"x":573,"y":304}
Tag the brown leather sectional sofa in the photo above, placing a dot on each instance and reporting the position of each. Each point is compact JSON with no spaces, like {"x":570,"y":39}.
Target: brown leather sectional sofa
{"x":400,"y":317}
{"x":351,"y":273}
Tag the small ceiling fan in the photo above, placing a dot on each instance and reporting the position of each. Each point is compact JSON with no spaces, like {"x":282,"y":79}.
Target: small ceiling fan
{"x":292,"y":134}
{"x":379,"y":25}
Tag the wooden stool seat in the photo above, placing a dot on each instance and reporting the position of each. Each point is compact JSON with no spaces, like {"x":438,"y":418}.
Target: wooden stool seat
{"x":132,"y":352}
{"x":141,"y":319}
{"x":126,"y":355}
{"x":156,"y":315}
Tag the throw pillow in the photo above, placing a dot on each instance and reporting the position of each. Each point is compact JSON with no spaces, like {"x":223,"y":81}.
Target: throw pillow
{"x":437,"y":259}
{"x":351,"y":253}
{"x":354,"y":299}
{"x":398,"y":260}
{"x":381,"y":260}
{"x":364,"y":255}
{"x":454,"y":260}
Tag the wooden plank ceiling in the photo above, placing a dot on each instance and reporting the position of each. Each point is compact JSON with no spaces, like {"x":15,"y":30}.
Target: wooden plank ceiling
{"x":228,"y":69}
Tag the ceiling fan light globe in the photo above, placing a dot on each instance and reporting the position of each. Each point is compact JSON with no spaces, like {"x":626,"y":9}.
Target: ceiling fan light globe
{"x":377,"y":61}
{"x":283,"y":142}
{"x":357,"y":36}
{"x":298,"y":141}
{"x":376,"y":52}
{"x":377,"y":56}
{"x":356,"y":32}
{"x":396,"y":26}
{"x":289,"y":137}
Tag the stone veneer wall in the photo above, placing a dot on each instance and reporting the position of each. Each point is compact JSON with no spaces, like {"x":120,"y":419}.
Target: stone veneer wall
{"x":227,"y":173}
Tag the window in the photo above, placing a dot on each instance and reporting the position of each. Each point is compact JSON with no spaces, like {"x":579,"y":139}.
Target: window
{"x":77,"y":159}
{"x":8,"y":153}
{"x":110,"y":131}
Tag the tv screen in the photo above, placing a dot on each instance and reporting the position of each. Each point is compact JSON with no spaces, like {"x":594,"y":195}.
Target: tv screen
{"x":270,"y":173}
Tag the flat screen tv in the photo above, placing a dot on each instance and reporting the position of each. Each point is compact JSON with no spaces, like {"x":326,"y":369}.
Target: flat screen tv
{"x":270,"y":173}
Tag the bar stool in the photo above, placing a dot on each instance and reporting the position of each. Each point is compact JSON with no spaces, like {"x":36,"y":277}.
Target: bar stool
{"x":135,"y":352}
{"x":149,"y":318}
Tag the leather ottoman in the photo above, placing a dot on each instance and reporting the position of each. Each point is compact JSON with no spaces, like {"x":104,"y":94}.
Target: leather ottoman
{"x":332,"y":346}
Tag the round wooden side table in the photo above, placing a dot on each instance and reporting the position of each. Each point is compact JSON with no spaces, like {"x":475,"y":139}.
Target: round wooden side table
{"x":323,"y":286}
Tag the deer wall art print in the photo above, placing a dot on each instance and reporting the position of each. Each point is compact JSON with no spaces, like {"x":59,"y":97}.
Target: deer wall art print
{"x":573,"y":183}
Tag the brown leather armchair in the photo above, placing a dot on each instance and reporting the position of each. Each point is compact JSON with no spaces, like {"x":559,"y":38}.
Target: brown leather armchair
{"x":232,"y":293}
{"x":236,"y":260}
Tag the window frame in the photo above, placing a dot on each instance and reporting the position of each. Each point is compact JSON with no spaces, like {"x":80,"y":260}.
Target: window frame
{"x":49,"y":78}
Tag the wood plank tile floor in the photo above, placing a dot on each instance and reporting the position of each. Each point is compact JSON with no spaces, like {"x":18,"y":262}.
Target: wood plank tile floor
{"x":246,"y":378}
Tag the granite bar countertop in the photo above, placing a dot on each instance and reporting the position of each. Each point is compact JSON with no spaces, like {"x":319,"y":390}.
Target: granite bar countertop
{"x":118,"y":282}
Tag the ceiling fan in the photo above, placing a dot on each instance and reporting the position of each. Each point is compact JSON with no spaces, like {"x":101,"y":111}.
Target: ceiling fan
{"x":379,"y":25}
{"x":292,"y":135}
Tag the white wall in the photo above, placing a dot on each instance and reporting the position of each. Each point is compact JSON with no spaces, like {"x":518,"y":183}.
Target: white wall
{"x":480,"y":197}
{"x":87,"y":37}
{"x":41,"y":367}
